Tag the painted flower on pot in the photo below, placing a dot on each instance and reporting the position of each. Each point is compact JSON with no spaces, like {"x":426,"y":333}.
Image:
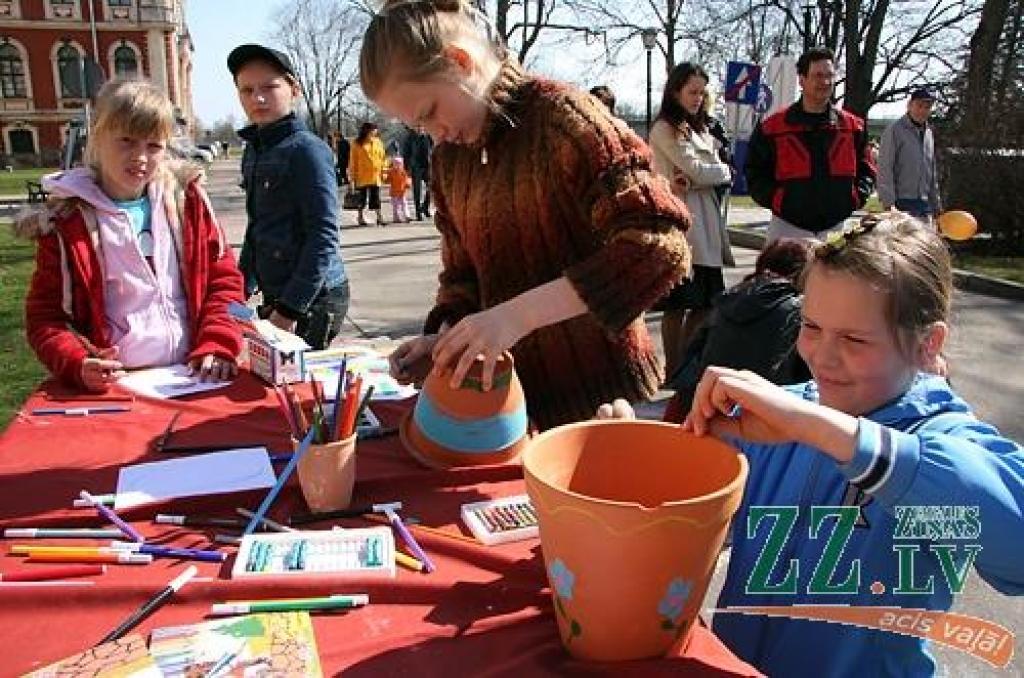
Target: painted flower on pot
{"x":671,"y":606}
{"x":563,"y":581}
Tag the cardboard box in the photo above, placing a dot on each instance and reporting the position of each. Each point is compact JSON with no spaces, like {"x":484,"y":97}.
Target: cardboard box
{"x":276,"y":356}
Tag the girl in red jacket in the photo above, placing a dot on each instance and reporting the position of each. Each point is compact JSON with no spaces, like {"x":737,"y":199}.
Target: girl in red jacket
{"x":132,"y":269}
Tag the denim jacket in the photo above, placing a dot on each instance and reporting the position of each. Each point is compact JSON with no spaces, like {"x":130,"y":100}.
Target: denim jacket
{"x":291,"y":198}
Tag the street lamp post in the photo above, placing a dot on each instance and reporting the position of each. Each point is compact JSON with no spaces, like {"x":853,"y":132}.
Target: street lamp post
{"x":650,"y":40}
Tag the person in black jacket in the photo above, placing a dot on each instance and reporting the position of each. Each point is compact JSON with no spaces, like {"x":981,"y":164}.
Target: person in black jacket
{"x":416,"y":150}
{"x":809,"y":164}
{"x":752,"y":325}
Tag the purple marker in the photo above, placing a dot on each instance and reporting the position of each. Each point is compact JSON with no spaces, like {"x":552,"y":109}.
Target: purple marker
{"x":107,"y":513}
{"x":403,"y":532}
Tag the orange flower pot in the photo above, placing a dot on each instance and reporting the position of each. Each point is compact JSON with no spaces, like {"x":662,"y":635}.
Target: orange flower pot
{"x":467,"y":426}
{"x":327,"y":474}
{"x":632,"y":516}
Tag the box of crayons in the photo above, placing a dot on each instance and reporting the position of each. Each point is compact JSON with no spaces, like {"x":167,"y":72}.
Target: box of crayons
{"x":365,"y":552}
{"x":501,"y":520}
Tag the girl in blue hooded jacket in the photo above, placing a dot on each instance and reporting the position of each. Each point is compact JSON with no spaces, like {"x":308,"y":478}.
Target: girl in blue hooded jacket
{"x":918,"y":489}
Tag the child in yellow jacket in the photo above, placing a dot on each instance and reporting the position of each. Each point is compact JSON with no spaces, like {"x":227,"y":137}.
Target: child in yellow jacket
{"x":400,"y":183}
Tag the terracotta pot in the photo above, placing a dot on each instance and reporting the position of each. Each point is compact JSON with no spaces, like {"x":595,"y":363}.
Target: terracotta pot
{"x":632,"y":516}
{"x":327,"y":474}
{"x":467,"y":426}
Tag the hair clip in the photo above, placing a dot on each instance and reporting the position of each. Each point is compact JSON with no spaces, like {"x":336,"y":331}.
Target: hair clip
{"x":837,"y":240}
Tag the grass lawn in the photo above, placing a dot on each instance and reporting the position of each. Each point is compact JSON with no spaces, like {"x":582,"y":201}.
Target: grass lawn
{"x":20,"y":372}
{"x":13,"y":183}
{"x":1007,"y":268}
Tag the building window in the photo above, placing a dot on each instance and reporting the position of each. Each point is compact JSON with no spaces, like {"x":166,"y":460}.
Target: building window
{"x":12,"y":73}
{"x":70,"y":71}
{"x":125,"y":63}
{"x":119,"y":9}
{"x":63,"y":9}
{"x":10,"y":9}
{"x":22,"y":141}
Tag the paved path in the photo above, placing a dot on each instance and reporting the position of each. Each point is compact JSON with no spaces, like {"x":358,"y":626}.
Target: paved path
{"x":394,"y":278}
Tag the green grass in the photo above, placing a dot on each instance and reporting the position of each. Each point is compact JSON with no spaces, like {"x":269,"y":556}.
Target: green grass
{"x":1007,"y":268}
{"x":20,"y":372}
{"x":13,"y":183}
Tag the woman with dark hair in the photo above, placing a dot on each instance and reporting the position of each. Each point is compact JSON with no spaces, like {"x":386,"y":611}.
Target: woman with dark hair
{"x":366,"y":169}
{"x":683,"y":144}
{"x":752,"y":326}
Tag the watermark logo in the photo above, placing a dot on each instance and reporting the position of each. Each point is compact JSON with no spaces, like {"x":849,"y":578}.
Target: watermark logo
{"x":944,"y":533}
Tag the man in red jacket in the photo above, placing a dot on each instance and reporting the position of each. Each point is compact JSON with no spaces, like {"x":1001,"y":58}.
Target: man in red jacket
{"x":809,"y":163}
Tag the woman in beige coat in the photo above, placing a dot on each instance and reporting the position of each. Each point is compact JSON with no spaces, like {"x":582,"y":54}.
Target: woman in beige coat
{"x":687,"y":154}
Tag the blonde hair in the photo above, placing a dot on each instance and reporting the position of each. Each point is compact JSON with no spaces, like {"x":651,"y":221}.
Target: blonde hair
{"x":406,"y":41}
{"x":134,"y":108}
{"x":902,"y":258}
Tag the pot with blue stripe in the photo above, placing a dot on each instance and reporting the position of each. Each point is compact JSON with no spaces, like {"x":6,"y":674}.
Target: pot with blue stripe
{"x":468,"y":426}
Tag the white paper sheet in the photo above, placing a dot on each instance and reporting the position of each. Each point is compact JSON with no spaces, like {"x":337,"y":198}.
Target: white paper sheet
{"x":213,"y":473}
{"x":167,"y":382}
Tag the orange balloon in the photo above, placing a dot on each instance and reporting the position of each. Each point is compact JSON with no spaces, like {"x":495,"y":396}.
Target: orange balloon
{"x":958,"y":225}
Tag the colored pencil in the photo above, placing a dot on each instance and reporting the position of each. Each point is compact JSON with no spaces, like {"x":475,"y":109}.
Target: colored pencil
{"x":281,"y":480}
{"x":282,"y":403}
{"x":427,"y":530}
{"x":360,"y":410}
{"x":408,"y":561}
{"x":338,"y":395}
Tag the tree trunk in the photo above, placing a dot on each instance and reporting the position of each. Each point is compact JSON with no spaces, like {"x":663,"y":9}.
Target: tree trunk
{"x":984,"y":44}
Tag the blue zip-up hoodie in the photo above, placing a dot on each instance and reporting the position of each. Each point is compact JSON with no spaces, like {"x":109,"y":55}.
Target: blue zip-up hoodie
{"x":906,"y":455}
{"x":291,"y":197}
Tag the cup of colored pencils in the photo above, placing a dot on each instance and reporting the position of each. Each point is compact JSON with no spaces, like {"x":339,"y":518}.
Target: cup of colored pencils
{"x":327,"y":472}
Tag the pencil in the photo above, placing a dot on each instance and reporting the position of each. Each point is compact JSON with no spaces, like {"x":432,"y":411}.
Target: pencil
{"x":427,"y":530}
{"x":361,"y":409}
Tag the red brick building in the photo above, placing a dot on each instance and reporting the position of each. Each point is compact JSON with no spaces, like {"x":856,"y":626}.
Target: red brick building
{"x":47,"y":52}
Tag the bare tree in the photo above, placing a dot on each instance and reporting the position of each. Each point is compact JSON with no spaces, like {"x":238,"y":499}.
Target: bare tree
{"x":621,"y":24}
{"x":322,"y":37}
{"x":982,"y":59}
{"x":884,"y":46}
{"x":520,"y":24}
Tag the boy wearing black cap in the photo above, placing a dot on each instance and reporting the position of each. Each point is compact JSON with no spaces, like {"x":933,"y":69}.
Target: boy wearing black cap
{"x":907,"y":179}
{"x":290,"y":252}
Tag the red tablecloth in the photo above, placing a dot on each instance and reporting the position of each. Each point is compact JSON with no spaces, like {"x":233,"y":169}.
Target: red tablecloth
{"x":486,"y":610}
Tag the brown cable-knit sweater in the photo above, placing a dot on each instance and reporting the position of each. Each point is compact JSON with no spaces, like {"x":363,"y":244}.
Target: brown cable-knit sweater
{"x":566,"y":189}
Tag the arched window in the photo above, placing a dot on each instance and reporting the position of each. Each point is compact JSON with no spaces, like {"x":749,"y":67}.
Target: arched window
{"x":12,"y":72}
{"x":125,"y":63}
{"x":69,"y":66}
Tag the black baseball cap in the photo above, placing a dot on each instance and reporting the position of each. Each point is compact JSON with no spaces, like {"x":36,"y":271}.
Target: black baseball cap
{"x":243,"y":54}
{"x":922,"y":93}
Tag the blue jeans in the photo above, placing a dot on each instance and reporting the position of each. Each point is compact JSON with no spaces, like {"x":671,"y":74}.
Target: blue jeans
{"x":913,"y":207}
{"x":322,"y":322}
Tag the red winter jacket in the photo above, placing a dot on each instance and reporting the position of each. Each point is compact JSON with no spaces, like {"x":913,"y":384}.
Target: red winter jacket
{"x":65,"y":298}
{"x":812,"y":171}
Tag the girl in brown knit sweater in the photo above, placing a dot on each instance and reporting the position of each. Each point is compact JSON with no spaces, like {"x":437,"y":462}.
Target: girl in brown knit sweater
{"x":556,"y":233}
